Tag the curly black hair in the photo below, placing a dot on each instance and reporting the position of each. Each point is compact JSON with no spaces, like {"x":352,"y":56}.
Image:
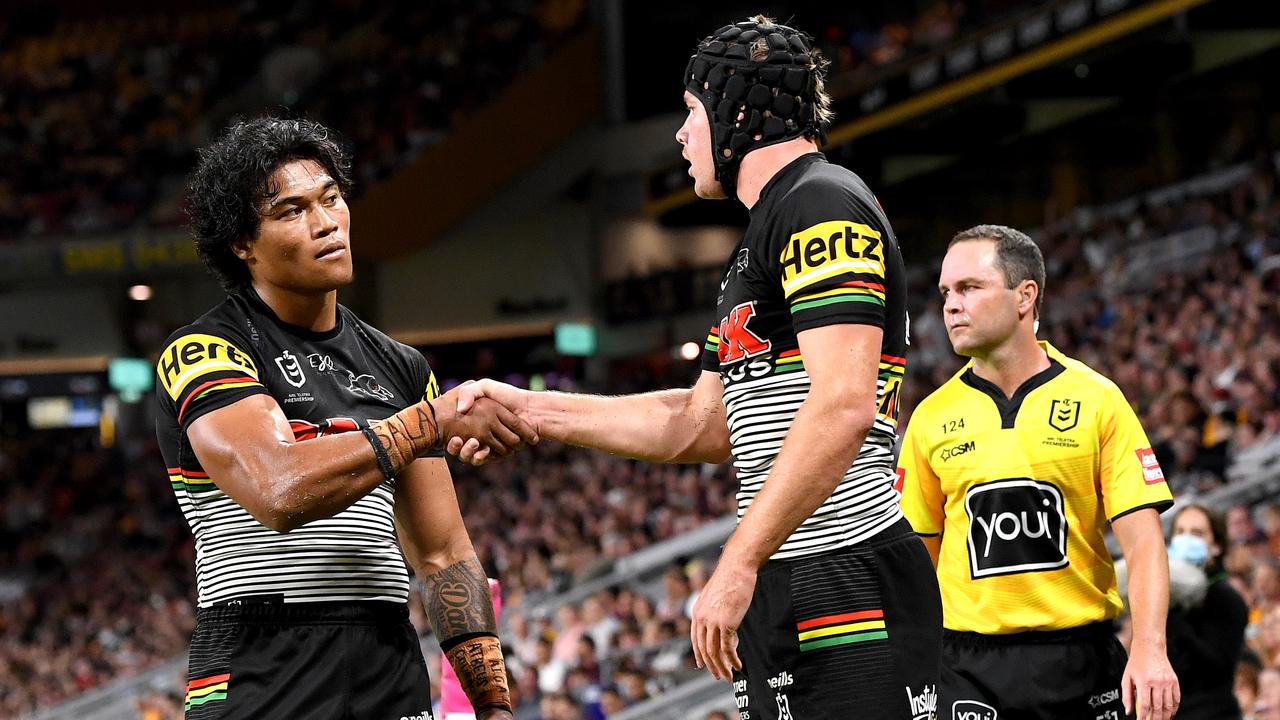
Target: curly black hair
{"x":233,"y":181}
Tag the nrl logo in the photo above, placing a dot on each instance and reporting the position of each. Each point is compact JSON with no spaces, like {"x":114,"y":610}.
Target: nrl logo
{"x":288,"y":364}
{"x":1064,"y":415}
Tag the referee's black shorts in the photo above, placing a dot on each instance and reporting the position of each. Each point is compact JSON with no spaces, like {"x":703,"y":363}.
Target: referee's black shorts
{"x":319,"y":661}
{"x":854,"y":633}
{"x":1051,"y":675}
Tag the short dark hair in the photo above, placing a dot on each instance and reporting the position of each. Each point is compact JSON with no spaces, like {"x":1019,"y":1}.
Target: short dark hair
{"x":1017,"y":256}
{"x":233,"y":179}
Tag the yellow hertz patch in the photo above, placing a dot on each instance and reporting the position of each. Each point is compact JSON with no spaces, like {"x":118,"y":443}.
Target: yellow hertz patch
{"x":829,"y":249}
{"x":191,"y":356}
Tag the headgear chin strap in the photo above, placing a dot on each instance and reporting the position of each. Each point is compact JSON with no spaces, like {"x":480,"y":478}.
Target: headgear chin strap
{"x":774,"y":97}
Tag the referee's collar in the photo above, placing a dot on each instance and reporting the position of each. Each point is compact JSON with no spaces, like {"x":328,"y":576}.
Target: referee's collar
{"x":1054,"y":355}
{"x":1009,"y":406}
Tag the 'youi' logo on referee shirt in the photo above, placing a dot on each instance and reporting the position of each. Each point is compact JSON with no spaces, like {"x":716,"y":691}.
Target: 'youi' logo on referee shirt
{"x":973,"y":710}
{"x":1015,"y":525}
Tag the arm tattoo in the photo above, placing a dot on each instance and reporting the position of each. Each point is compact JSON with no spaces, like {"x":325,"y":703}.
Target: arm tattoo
{"x":461,"y":613}
{"x":457,"y":601}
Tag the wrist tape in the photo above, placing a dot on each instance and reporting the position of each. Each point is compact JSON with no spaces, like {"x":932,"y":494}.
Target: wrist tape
{"x":482,"y":671}
{"x":401,"y":438}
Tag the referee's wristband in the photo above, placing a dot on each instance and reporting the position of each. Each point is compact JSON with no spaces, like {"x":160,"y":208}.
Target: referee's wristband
{"x":380,"y":451}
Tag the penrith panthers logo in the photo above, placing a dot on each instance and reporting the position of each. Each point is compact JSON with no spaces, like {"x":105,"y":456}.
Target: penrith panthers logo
{"x":366,"y":385}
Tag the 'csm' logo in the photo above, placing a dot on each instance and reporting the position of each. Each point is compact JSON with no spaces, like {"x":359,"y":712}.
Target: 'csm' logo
{"x":1101,"y":699}
{"x":972,"y":710}
{"x":925,"y":705}
{"x":1015,"y":525}
{"x":958,"y":450}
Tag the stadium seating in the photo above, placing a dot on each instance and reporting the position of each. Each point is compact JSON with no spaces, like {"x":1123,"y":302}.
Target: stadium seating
{"x":101,"y":117}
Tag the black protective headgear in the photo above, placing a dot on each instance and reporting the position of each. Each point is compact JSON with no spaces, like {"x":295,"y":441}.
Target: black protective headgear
{"x":775,"y":96}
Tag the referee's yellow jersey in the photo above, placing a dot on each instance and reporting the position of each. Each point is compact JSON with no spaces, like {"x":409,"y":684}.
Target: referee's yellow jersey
{"x":1020,"y":489}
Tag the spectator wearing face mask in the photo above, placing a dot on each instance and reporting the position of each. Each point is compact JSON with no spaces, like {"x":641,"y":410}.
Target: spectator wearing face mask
{"x":1207,"y":617}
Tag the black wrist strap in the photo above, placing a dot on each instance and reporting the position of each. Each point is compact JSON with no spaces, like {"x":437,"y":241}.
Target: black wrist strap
{"x":384,"y":460}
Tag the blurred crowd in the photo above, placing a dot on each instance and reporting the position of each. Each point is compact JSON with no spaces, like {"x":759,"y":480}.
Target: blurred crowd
{"x":100,"y":118}
{"x":864,"y":38}
{"x":558,"y":516}
{"x":96,"y":578}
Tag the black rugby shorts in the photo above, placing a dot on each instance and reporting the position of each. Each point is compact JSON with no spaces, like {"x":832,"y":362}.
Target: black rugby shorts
{"x":855,"y":633}
{"x":1052,"y":675}
{"x":318,"y":661}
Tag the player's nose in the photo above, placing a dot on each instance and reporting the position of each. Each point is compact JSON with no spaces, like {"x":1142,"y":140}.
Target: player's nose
{"x":324,"y":222}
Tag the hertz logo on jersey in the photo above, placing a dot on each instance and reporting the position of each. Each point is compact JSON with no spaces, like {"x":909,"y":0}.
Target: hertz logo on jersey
{"x":1016,"y":525}
{"x":829,"y":249}
{"x":195,"y":355}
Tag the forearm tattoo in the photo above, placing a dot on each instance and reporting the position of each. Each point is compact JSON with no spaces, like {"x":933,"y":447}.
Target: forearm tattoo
{"x":461,"y":614}
{"x":457,"y":601}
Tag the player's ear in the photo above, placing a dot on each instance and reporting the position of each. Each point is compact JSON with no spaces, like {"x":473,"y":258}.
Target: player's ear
{"x":243,"y":248}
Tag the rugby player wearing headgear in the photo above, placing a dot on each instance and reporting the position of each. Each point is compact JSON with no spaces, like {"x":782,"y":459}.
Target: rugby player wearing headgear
{"x":823,"y":603}
{"x":302,"y":443}
{"x":1011,"y":471}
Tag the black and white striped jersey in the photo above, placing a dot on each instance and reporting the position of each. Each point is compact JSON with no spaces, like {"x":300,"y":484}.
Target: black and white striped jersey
{"x":818,"y":251}
{"x":326,"y":383}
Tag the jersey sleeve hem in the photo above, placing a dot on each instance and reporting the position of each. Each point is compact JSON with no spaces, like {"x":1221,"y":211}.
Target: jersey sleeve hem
{"x":230,"y":398}
{"x":1159,"y":506}
{"x":812,"y":323}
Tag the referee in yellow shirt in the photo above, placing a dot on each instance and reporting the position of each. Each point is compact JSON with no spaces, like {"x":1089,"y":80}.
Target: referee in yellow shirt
{"x":1010,"y":472}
